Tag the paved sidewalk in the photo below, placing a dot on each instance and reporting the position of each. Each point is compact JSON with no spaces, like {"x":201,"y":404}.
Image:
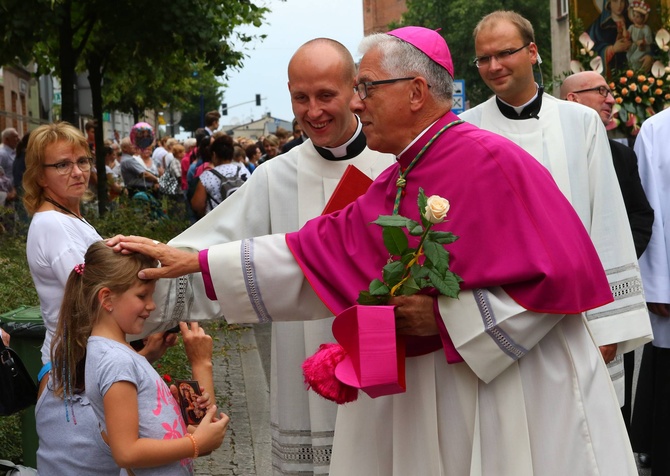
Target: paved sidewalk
{"x":243,"y":393}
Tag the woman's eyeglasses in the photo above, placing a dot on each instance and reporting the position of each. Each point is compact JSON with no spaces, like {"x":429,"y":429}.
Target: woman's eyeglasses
{"x":65,"y":167}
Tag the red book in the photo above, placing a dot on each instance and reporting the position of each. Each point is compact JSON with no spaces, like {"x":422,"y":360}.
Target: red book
{"x":352,"y":185}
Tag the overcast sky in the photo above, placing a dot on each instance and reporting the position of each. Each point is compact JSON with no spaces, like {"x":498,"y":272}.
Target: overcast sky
{"x":289,"y":24}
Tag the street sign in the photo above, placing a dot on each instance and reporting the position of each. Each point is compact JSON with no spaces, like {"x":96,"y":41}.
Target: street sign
{"x":458,"y":101}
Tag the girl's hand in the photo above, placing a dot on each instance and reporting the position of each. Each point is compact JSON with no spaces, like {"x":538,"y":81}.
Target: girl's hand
{"x":209,"y":434}
{"x":156,"y":345}
{"x":198,"y":345}
{"x":204,"y":400}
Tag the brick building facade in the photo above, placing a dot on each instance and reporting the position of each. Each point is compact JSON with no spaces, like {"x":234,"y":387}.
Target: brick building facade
{"x":377,"y":14}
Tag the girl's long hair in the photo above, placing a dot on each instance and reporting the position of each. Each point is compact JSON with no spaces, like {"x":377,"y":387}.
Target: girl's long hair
{"x":81,"y":309}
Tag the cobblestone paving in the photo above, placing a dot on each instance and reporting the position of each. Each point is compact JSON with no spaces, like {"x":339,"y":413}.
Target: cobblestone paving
{"x":235,"y":457}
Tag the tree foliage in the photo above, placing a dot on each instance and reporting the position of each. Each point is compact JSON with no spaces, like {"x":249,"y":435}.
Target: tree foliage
{"x":148,"y":47}
{"x":142,"y":52}
{"x":458,"y":18}
{"x":210,"y":89}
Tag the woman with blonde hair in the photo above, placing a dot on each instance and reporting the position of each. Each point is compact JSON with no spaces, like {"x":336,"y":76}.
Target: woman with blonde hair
{"x":58,"y":168}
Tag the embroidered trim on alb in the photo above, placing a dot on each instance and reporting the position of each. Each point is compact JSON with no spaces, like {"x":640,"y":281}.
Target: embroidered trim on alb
{"x":178,"y":313}
{"x":301,"y":451}
{"x":250,"y":281}
{"x":302,"y":454}
{"x":501,"y":338}
{"x":598,"y":314}
{"x":625,"y":288}
{"x":623,"y":268}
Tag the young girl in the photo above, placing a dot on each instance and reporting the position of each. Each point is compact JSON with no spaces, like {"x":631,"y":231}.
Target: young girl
{"x":139,"y":418}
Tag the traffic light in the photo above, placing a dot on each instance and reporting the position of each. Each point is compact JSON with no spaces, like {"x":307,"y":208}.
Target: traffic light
{"x":258,"y":99}
{"x":224,"y":108}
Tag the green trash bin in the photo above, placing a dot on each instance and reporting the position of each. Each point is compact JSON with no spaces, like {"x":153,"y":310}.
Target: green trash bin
{"x":27,"y":331}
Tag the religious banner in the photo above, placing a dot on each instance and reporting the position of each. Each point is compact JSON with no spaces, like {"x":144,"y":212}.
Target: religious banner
{"x":627,"y":41}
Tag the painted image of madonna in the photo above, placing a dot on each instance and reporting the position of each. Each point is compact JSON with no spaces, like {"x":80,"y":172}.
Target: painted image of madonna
{"x":623,"y":32}
{"x":610,"y":34}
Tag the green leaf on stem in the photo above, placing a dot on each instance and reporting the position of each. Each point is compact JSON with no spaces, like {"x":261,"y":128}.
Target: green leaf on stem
{"x":437,"y":255}
{"x":442,"y":237}
{"x":408,"y":255}
{"x":418,"y":272}
{"x":378,"y":288}
{"x":391,"y":220}
{"x":414,"y":228}
{"x":392,"y":273}
{"x":409,"y":287}
{"x":447,"y":284}
{"x":422,"y":201}
{"x":395,"y":240}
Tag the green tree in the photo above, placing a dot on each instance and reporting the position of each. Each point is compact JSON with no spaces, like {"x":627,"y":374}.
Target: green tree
{"x":155,"y":62}
{"x":52,"y":33}
{"x":137,"y":43}
{"x":458,"y":18}
{"x":209,"y":92}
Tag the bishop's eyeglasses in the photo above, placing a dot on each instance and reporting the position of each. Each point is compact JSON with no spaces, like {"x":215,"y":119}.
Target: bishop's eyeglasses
{"x":362,"y":88}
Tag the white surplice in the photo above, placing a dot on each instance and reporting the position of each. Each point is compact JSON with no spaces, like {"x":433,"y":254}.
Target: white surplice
{"x":542,"y":405}
{"x":569,"y":139}
{"x":651,"y":147}
{"x":280,"y":196}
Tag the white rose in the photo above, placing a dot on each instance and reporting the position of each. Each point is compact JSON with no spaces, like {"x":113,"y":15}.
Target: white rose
{"x":436,"y":209}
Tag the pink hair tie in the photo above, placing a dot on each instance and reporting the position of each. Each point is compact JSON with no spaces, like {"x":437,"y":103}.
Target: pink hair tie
{"x":79,"y":269}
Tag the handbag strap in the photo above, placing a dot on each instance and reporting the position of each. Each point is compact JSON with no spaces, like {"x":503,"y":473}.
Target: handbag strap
{"x":7,"y":359}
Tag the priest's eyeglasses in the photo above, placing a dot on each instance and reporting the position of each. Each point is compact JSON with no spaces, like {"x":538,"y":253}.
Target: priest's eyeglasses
{"x":362,"y":88}
{"x":501,"y":56}
{"x":65,"y":167}
{"x":604,"y":91}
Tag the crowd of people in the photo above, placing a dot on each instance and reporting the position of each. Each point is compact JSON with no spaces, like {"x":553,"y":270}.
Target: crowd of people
{"x":148,"y":171}
{"x":528,"y":372}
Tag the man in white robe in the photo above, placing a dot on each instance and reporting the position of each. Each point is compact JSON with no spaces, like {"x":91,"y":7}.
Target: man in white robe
{"x":530,"y":394}
{"x":570,"y":140}
{"x":280,"y":197}
{"x":651,"y":416}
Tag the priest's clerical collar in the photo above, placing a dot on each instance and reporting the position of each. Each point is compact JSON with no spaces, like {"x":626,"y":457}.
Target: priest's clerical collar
{"x":526,"y":111}
{"x":350,"y":149}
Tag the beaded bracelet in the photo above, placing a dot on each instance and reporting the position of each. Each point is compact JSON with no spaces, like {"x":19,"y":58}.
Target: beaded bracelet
{"x":196,"y":451}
